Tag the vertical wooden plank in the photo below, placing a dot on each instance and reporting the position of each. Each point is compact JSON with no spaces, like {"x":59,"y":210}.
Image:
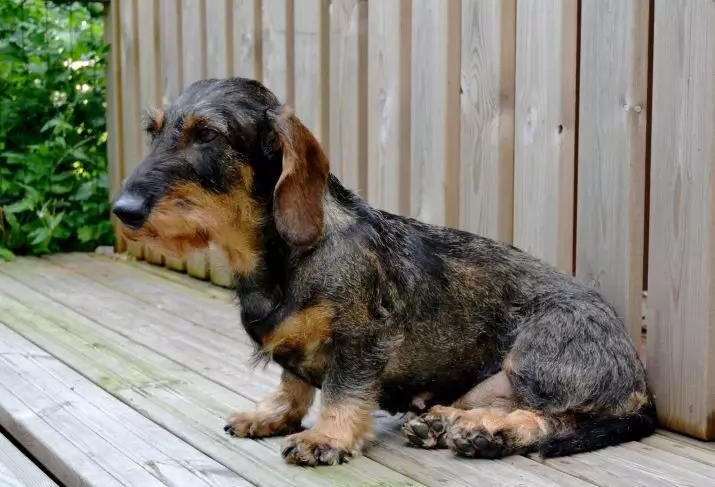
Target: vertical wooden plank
{"x":435,"y":104}
{"x":612,"y":141}
{"x":246,"y":62}
{"x":150,"y":65}
{"x":681,"y":266}
{"x":193,"y":18}
{"x":324,"y":135}
{"x":219,"y":43}
{"x":115,"y":141}
{"x":311,"y":65}
{"x":348,"y":92}
{"x":277,"y":57}
{"x":219,"y":38}
{"x":171,"y":49}
{"x":193,"y":21}
{"x":388,"y":110}
{"x":131,"y":103}
{"x":150,"y":80}
{"x":172,"y":73}
{"x":487,"y":117}
{"x":545,"y":129}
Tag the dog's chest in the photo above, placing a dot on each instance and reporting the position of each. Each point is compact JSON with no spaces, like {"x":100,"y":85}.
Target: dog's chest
{"x":302,"y":342}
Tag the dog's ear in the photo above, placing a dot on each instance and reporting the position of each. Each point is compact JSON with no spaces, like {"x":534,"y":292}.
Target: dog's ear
{"x":299,"y":194}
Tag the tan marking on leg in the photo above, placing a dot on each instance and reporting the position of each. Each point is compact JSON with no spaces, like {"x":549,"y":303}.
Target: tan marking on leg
{"x":525,"y":427}
{"x":277,"y":414}
{"x":338,"y":434}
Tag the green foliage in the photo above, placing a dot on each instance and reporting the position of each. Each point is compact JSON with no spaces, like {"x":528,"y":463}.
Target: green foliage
{"x":53,"y":156}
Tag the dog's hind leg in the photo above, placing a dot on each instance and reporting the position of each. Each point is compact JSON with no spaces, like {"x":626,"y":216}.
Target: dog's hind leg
{"x":495,"y":432}
{"x":571,"y":383}
{"x":428,"y":430}
{"x":485,"y":422}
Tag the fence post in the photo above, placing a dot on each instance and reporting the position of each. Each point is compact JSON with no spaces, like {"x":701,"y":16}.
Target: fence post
{"x":681,"y":273}
{"x":545,"y":129}
{"x":613,"y":118}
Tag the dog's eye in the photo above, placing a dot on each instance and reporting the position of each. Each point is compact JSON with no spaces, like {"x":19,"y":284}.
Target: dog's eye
{"x":206,"y":135}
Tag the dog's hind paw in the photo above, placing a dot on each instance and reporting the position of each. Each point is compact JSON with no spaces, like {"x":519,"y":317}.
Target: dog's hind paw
{"x":470,"y":439}
{"x":427,"y":431}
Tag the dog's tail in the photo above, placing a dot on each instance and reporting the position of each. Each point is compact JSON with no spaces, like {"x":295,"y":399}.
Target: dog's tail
{"x":595,"y":432}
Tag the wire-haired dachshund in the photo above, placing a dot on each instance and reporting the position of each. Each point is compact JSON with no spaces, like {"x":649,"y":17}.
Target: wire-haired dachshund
{"x":497,"y":352}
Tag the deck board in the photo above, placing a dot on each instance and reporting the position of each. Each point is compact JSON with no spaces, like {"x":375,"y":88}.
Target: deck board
{"x":693,"y":452}
{"x":16,"y":470}
{"x":181,"y":400}
{"x":170,"y":351}
{"x":83,"y":435}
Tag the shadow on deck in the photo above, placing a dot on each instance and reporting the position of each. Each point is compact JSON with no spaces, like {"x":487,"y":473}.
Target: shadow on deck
{"x":115,"y":373}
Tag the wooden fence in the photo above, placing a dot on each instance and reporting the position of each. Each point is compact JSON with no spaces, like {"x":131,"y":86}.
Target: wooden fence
{"x":581,"y":131}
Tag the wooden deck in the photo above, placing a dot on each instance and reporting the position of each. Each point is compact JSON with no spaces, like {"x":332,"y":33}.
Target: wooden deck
{"x":120,"y":373}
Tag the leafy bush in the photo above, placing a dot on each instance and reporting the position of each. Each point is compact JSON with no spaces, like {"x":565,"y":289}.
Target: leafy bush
{"x":53,"y":161}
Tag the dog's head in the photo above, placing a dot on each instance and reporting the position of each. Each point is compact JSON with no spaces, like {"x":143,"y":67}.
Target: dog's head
{"x":226,"y":160}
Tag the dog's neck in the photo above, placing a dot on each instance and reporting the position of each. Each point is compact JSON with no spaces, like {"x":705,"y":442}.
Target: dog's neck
{"x":263,"y":293}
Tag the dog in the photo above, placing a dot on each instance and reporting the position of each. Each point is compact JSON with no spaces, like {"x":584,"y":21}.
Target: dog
{"x":494,"y":351}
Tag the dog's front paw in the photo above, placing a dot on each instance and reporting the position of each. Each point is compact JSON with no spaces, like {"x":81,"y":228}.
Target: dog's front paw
{"x":258,"y":424}
{"x":312,"y":449}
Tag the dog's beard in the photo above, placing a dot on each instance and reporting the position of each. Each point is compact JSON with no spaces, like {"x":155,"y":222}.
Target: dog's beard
{"x":174,"y":233}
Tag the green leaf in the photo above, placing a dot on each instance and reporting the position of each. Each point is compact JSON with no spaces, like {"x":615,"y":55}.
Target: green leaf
{"x":19,"y":207}
{"x":60,"y":188}
{"x":6,"y":254}
{"x":85,"y":191}
{"x":55,"y":220}
{"x":39,"y":235}
{"x":50,"y":124}
{"x":12,"y":221}
{"x":62,"y":177}
{"x":85,"y":234}
{"x":80,"y":155}
{"x":38,"y":69}
{"x":14,"y":157}
{"x":61,"y":142}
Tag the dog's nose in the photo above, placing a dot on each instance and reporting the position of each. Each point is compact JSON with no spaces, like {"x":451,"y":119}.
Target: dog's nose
{"x":130,"y":210}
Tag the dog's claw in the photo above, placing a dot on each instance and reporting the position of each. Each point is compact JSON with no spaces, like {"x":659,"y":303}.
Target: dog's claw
{"x":463,"y":445}
{"x":313,"y":450}
{"x":421,"y":430}
{"x":481,"y":442}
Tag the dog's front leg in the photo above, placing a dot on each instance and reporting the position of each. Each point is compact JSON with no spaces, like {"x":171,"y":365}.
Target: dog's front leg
{"x":349,"y":396}
{"x":278,"y":414}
